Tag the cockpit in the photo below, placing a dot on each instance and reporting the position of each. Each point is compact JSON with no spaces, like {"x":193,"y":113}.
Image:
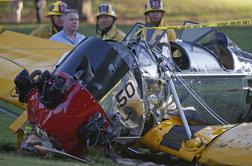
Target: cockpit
{"x":219,"y":46}
{"x":215,"y":43}
{"x":97,"y":69}
{"x":180,"y":57}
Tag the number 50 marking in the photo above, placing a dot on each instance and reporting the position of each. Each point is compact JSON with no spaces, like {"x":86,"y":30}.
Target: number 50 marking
{"x":129,"y":90}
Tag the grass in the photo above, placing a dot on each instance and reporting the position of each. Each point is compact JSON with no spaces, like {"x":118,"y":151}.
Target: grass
{"x":6,"y":137}
{"x":241,"y":35}
{"x":14,"y":159}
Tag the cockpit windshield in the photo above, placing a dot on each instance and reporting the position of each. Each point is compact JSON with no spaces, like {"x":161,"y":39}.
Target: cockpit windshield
{"x":195,"y":34}
{"x":97,"y":69}
{"x":204,"y":35}
{"x":218,"y":43}
{"x":134,"y":34}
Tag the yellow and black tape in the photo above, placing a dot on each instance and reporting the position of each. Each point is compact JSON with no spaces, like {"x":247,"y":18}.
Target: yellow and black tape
{"x":207,"y":25}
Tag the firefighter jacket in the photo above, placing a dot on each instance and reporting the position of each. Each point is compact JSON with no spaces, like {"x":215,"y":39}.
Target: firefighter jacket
{"x":171,"y":33}
{"x":113,"y":34}
{"x":44,"y":31}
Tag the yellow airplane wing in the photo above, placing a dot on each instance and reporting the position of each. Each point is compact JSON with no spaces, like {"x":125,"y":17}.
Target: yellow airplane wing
{"x":210,"y":145}
{"x":18,"y":52}
{"x":233,"y":147}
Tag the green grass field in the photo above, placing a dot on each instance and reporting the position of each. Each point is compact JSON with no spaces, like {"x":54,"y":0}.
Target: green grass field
{"x":14,"y":159}
{"x":241,"y":35}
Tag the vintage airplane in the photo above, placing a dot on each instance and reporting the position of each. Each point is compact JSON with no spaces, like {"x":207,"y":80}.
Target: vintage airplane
{"x":125,"y":92}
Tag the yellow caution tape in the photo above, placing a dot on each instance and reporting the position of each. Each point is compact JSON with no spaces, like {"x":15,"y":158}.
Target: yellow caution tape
{"x":207,"y":25}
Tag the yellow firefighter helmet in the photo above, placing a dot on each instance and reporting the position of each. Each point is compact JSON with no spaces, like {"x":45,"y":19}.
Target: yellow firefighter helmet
{"x":154,"y":5}
{"x":56,"y":8}
{"x":106,"y":9}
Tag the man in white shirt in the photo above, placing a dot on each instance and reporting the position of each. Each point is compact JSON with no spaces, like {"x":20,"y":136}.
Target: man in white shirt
{"x":69,"y":34}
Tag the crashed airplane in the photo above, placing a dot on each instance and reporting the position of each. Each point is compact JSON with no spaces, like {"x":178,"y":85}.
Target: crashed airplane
{"x":186,"y":98}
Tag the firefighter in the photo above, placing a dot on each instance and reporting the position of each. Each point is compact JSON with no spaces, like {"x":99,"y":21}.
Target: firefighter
{"x":154,"y":11}
{"x":105,"y":23}
{"x":56,"y":9}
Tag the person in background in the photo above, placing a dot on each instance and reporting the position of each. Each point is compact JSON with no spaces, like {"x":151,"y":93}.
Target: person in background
{"x":154,"y":11}
{"x":69,"y":34}
{"x":39,"y":7}
{"x":56,"y":9}
{"x":105,"y":23}
{"x":15,"y":8}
